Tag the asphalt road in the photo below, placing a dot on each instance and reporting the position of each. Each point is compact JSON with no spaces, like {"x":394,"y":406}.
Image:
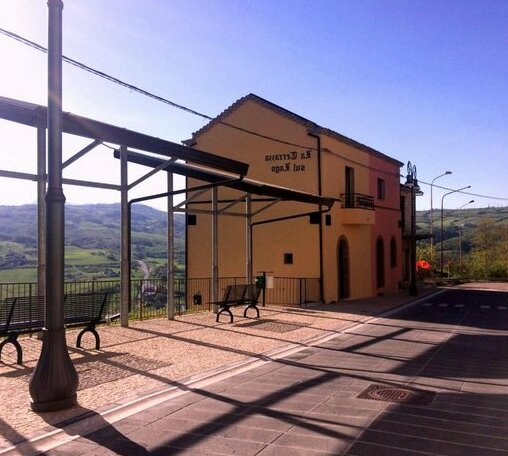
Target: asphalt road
{"x":465,"y":362}
{"x":463,"y":307}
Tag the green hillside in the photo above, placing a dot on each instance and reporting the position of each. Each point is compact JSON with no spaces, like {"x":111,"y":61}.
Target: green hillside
{"x":484,"y":241}
{"x":92,"y":240}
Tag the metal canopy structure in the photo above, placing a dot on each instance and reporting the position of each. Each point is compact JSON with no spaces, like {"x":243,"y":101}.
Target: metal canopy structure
{"x":246,"y":185}
{"x":36,"y":116}
{"x":269,"y":194}
{"x":215,"y":170}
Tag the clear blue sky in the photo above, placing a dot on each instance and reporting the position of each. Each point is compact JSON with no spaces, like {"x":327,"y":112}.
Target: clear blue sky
{"x":424,"y":81}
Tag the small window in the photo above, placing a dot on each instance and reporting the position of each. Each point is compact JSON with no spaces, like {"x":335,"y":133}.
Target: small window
{"x":288,"y":258}
{"x":192,"y":219}
{"x":402,"y":212}
{"x":380,"y":263}
{"x":381,"y":189}
{"x":328,"y":220}
{"x":393,"y":253}
{"x":314,"y":218}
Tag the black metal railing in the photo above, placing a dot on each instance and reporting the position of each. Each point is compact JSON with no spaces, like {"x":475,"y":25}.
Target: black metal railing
{"x":292,"y":291}
{"x":149,"y":296}
{"x":357,"y":201}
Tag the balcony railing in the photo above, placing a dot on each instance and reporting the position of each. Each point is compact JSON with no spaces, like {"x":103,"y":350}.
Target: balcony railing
{"x":357,"y":201}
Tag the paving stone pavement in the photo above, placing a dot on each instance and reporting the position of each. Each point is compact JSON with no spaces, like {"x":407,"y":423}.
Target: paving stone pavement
{"x":307,"y":402}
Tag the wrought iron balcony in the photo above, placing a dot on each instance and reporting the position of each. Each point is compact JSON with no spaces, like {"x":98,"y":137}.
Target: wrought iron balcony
{"x":357,"y":201}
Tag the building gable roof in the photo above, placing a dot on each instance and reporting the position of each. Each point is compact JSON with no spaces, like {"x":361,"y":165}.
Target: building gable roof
{"x":312,"y":126}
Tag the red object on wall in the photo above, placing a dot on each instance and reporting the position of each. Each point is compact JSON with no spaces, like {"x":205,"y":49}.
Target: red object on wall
{"x":422,"y":264}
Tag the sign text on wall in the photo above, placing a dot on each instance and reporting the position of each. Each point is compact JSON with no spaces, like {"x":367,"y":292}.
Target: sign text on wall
{"x":288,"y":161}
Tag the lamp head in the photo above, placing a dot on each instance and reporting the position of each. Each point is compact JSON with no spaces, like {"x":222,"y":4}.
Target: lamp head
{"x":448,"y":172}
{"x":411,"y":180}
{"x":417,"y":189}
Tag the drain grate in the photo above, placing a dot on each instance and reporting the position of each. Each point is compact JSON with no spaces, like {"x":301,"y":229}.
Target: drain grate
{"x":400,"y":395}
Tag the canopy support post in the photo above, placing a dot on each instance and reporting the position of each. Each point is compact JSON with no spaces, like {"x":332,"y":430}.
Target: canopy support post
{"x":170,"y":286}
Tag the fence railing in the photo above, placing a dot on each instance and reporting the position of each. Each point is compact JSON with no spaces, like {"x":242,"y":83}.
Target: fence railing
{"x":149,"y":296}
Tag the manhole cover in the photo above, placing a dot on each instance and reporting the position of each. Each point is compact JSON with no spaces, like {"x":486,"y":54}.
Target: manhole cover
{"x":399,"y":395}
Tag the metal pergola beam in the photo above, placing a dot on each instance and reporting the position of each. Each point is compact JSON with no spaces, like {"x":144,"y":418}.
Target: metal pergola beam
{"x":83,"y":183}
{"x":81,"y":153}
{"x":265,"y":207}
{"x":76,"y":182}
{"x":235,"y":202}
{"x":151,"y":173}
{"x":209,"y":212}
{"x":190,"y":198}
{"x":244,"y":185}
{"x":36,"y":116}
{"x":17,"y":175}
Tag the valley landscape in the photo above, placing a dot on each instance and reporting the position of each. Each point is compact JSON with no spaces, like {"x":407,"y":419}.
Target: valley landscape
{"x":92,"y":242}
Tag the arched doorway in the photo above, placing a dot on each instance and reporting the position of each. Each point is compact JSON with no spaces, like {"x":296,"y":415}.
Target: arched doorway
{"x":380,"y":263}
{"x":343,"y":268}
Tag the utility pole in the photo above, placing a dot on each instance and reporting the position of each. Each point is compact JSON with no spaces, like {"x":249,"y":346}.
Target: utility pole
{"x":432,"y":219}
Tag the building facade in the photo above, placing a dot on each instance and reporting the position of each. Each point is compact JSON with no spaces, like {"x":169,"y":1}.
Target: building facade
{"x":355,"y":249}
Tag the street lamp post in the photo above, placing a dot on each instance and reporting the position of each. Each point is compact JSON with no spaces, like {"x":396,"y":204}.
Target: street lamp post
{"x":442,"y":217}
{"x":460,"y":237}
{"x":54,"y":381}
{"x":432,"y":218}
{"x":412,"y":184}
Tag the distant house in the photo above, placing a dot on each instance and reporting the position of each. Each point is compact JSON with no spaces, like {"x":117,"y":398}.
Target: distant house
{"x":355,"y":249}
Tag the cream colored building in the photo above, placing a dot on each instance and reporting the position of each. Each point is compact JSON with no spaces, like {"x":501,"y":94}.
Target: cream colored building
{"x":354,"y":250}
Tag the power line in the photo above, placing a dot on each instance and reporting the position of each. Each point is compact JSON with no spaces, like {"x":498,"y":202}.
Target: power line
{"x":145,"y":92}
{"x":172,"y":103}
{"x":466,"y":193}
{"x":205,"y":116}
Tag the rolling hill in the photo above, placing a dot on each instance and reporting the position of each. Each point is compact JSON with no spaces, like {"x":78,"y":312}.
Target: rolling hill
{"x":484,"y":240}
{"x":92,"y":240}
